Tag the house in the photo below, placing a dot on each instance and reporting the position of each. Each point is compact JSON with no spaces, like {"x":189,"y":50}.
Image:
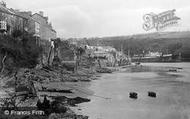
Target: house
{"x":32,"y":26}
{"x":14,"y":22}
{"x":9,"y":20}
{"x":46,"y":31}
{"x":36,"y":24}
{"x":153,"y":54}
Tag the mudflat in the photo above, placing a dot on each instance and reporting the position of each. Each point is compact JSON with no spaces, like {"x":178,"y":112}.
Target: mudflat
{"x":172,"y":87}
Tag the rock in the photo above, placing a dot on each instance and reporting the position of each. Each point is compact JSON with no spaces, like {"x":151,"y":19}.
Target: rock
{"x":104,"y":70}
{"x":57,"y":107}
{"x":71,"y":101}
{"x":69,"y":66}
{"x":46,"y":103}
{"x":67,"y":116}
{"x":45,"y":89}
{"x":39,"y":104}
{"x":78,"y":100}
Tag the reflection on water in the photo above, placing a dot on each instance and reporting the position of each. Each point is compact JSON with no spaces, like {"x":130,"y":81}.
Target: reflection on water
{"x":172,"y":88}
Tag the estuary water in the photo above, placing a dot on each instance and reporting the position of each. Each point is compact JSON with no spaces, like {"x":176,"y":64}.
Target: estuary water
{"x":111,"y":94}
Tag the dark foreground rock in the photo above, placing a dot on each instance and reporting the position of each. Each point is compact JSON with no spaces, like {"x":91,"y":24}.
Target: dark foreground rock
{"x":46,"y":109}
{"x":55,"y":90}
{"x":70,"y":101}
{"x":104,"y":70}
{"x":29,"y":82}
{"x":67,"y":116}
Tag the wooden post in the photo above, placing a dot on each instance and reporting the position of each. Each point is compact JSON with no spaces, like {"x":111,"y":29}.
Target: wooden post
{"x":3,"y":63}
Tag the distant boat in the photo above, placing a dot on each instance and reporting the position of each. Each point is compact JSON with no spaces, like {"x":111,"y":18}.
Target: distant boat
{"x":137,"y":63}
{"x":172,"y":70}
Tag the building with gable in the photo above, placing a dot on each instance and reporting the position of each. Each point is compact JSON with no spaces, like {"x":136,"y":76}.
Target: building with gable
{"x":46,"y":31}
{"x":24,"y":21}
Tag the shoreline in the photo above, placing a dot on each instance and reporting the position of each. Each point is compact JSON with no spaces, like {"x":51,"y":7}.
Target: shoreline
{"x":64,"y":87}
{"x":75,"y":90}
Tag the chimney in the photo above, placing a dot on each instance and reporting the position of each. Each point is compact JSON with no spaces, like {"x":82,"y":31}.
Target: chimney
{"x":41,"y":13}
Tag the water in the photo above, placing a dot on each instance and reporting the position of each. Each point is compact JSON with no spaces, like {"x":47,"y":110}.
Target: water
{"x":172,"y":101}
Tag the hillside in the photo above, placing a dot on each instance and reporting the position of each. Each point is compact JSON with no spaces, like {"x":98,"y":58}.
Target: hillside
{"x":165,"y":42}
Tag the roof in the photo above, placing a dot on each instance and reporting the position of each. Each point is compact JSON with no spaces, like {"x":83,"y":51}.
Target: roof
{"x":10,"y":12}
{"x":6,"y":10}
{"x":26,"y":16}
{"x":48,"y":25}
{"x":53,"y":30}
{"x":40,"y":16}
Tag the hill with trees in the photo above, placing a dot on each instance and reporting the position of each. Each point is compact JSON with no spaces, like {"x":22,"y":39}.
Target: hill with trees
{"x":165,"y":42}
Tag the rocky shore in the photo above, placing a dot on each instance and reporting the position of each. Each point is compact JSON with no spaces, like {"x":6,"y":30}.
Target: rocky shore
{"x":60,"y":87}
{"x":57,"y":88}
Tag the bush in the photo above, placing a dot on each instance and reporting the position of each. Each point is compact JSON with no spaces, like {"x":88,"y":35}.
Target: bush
{"x":24,"y":52}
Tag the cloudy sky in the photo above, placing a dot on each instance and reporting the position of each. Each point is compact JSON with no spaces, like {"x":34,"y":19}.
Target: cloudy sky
{"x":97,"y":18}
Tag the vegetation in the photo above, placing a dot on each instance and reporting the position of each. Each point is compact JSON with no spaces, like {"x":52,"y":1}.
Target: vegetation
{"x":19,"y":52}
{"x":66,"y":51}
{"x":168,"y":43}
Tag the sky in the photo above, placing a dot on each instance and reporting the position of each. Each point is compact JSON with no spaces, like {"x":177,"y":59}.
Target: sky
{"x":99,"y":18}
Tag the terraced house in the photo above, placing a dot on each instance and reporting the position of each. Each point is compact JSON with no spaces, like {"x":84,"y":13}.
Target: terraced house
{"x":14,"y":20}
{"x":46,"y":30}
{"x":10,"y":21}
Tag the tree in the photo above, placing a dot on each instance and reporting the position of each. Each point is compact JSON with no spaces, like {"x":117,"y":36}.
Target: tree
{"x":24,"y":52}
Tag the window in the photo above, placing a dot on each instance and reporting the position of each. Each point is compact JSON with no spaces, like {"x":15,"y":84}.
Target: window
{"x":3,"y":25}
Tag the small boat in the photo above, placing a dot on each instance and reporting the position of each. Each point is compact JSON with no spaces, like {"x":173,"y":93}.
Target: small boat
{"x":151,"y":94}
{"x":133,"y":95}
{"x":179,"y":68}
{"x":172,"y":70}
